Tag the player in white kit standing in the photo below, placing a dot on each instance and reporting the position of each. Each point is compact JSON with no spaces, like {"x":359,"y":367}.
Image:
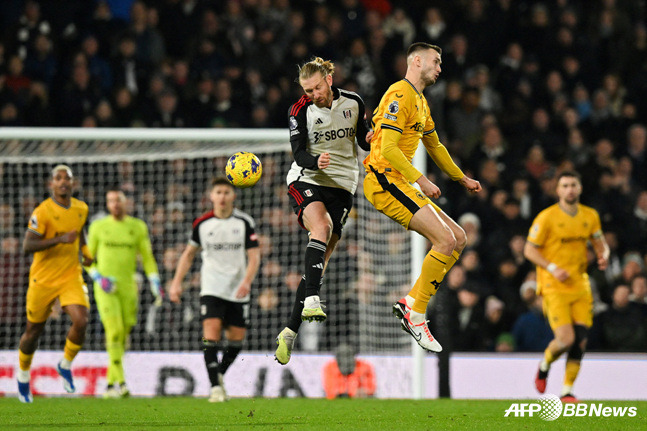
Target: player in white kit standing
{"x":230,"y":261}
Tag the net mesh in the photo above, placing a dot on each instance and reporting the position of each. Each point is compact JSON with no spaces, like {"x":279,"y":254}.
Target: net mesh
{"x":166,"y":182}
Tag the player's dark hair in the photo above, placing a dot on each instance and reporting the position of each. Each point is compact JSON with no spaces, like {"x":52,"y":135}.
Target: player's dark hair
{"x":422,"y":46}
{"x":569,"y":174}
{"x":114,"y":188}
{"x":221,"y":181}
{"x":317,"y":64}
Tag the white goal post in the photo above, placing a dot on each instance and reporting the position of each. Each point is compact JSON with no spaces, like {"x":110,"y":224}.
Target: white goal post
{"x":165,"y":173}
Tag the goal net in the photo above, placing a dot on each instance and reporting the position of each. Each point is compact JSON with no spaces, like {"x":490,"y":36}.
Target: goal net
{"x":165,"y":174}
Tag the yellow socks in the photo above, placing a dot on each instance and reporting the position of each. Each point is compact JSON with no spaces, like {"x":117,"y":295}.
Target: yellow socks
{"x":433,"y":272}
{"x":572,"y":370}
{"x":24,"y":360}
{"x":70,"y":350}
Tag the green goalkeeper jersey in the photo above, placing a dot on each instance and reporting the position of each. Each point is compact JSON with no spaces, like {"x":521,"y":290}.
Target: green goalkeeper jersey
{"x":115,"y":245}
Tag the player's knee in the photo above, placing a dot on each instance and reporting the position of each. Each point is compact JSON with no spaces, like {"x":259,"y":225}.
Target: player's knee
{"x":566,"y":341}
{"x":446,"y":241}
{"x":322,"y":232}
{"x":80,"y":322}
{"x":461,"y":239}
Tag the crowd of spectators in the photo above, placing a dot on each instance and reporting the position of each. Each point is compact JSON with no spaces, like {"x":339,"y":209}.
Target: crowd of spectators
{"x":527,"y":89}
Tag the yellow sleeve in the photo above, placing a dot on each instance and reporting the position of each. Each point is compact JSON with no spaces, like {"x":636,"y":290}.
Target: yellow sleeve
{"x":392,"y":153}
{"x":440,"y":155}
{"x":596,"y":225}
{"x":146,"y":251}
{"x":38,"y":221}
{"x":539,"y":230}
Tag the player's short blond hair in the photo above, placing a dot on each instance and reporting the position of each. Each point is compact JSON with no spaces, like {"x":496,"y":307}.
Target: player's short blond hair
{"x":317,"y":64}
{"x":62,"y":168}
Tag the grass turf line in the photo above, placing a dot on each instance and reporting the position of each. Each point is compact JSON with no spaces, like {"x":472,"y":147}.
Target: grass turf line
{"x":178,"y":413}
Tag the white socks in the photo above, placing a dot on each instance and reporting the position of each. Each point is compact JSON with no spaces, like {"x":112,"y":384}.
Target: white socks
{"x":544,"y":366}
{"x":410,"y":300}
{"x":65,"y":364}
{"x":416,"y":318}
{"x":23,"y":376}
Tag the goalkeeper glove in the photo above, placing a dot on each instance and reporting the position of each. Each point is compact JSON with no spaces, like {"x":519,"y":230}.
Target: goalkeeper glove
{"x":156,"y":287}
{"x":105,"y":283}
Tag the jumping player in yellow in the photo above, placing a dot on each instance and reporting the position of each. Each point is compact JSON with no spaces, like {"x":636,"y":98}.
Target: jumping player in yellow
{"x":400,"y":121}
{"x":557,"y":244}
{"x":54,"y":235}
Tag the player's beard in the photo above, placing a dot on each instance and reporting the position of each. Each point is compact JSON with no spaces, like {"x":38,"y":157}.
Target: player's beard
{"x":326,"y":102}
{"x":429,"y":79}
{"x":572,"y":201}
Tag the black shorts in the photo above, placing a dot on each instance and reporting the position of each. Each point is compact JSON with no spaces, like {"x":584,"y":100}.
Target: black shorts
{"x":338,"y":202}
{"x":231,"y":313}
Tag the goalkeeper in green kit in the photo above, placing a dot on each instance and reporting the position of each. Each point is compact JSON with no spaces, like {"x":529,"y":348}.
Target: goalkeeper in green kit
{"x":115,"y":241}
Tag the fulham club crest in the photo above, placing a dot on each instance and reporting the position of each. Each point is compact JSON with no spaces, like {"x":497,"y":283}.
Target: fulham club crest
{"x":347,"y":113}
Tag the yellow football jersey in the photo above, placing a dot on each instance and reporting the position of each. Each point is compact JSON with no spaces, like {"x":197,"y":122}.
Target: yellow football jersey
{"x":563,"y":239}
{"x":406,"y":111}
{"x":59,"y":264}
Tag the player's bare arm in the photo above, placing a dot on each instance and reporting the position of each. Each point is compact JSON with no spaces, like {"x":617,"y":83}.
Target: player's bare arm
{"x":253,"y":263}
{"x":533,"y":254}
{"x":33,"y":243}
{"x":601,"y":250}
{"x":183,"y":266}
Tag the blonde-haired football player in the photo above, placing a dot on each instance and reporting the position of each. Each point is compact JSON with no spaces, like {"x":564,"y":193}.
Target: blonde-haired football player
{"x":557,"y":244}
{"x":55,"y":235}
{"x":400,"y":121}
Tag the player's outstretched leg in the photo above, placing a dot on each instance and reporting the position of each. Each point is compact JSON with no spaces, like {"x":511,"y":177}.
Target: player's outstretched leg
{"x":285,"y":342}
{"x":314,"y":263}
{"x":420,"y":332}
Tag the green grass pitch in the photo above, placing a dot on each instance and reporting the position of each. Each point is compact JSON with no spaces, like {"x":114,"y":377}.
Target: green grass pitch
{"x":292,"y":414}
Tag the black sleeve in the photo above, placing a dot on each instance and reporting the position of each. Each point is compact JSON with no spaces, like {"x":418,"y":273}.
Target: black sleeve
{"x":195,"y":234}
{"x":362,"y":126}
{"x":299,"y":139}
{"x":251,"y":239}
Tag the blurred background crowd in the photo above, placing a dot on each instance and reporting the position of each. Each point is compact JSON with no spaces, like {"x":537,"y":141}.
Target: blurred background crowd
{"x":527,"y":89}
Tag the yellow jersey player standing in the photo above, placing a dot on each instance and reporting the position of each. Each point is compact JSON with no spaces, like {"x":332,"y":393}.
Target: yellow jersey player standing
{"x":400,"y":121}
{"x":54,"y":235}
{"x":557,"y":244}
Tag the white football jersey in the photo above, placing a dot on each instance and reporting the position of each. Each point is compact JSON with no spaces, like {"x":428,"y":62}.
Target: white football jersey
{"x":224,"y":259}
{"x":315,"y":130}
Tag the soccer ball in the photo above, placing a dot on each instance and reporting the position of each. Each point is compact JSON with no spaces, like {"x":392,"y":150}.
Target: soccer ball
{"x":243,"y":169}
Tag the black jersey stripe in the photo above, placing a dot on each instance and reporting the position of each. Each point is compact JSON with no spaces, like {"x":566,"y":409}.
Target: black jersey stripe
{"x":401,"y":196}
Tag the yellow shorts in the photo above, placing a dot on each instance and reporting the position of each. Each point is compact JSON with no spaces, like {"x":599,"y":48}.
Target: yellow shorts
{"x":394,"y":196}
{"x":40,"y":299}
{"x":568,"y":308}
